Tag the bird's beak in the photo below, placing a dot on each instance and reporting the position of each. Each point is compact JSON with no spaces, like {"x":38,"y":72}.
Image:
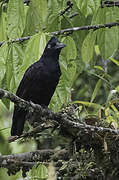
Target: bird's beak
{"x":60,"y":45}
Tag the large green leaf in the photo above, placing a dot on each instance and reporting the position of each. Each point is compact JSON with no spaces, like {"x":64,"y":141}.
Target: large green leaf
{"x":53,"y":18}
{"x":9,"y":66}
{"x":85,"y":103}
{"x":53,"y":25}
{"x":53,"y":8}
{"x":66,"y":23}
{"x":3,"y":57}
{"x":3,"y":82}
{"x":107,"y":41}
{"x":88,"y":7}
{"x":10,"y":60}
{"x":106,"y":15}
{"x":114,"y":61}
{"x":3,"y":26}
{"x":15,"y":19}
{"x":107,"y":38}
{"x":62,"y":94}
{"x":36,"y":16}
{"x":13,"y":62}
{"x":97,"y":87}
{"x":88,"y":46}
{"x":70,"y":51}
{"x":33,"y":51}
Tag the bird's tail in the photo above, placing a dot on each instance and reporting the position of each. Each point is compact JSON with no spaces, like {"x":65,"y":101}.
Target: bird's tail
{"x":18,"y":121}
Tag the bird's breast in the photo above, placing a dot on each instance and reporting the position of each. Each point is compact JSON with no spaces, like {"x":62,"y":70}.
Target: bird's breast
{"x":52,"y":73}
{"x":44,"y":86}
{"x":51,"y":77}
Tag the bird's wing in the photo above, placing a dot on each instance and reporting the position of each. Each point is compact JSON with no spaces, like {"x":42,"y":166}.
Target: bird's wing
{"x":28,"y":79}
{"x":24,"y":91}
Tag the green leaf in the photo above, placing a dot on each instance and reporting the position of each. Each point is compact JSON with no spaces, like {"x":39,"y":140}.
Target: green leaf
{"x":70,"y":51}
{"x":117,"y":88}
{"x":6,"y":102}
{"x":13,"y":62}
{"x":3,"y":35}
{"x":111,"y":98}
{"x":88,"y":46}
{"x":62,"y":94}
{"x":66,"y":23}
{"x":39,"y":172}
{"x":97,"y":51}
{"x":107,"y":41}
{"x":36,"y":16}
{"x":52,"y":23}
{"x":42,"y":171}
{"x":64,"y":166}
{"x":109,"y":118}
{"x":88,"y":7}
{"x":94,"y":105}
{"x":97,"y":87}
{"x":3,"y":57}
{"x":53,"y":9}
{"x":114,"y":61}
{"x":107,"y":38}
{"x":63,"y":91}
{"x":15,"y":19}
{"x":106,"y":15}
{"x":33,"y":51}
{"x":53,"y":18}
{"x":99,"y":68}
{"x":9,"y":66}
{"x":3,"y":80}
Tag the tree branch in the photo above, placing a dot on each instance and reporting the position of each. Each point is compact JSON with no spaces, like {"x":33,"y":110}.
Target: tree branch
{"x":38,"y":155}
{"x":15,"y":162}
{"x":94,"y":27}
{"x":25,"y":1}
{"x":69,"y":30}
{"x":35,"y":132}
{"x":16,"y":40}
{"x":110,"y":4}
{"x":64,"y":120}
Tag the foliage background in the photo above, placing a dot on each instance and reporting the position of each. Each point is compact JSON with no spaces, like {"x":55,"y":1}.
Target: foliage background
{"x":89,"y":63}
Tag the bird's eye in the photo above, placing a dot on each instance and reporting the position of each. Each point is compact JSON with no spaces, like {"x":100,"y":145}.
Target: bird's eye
{"x":53,"y":44}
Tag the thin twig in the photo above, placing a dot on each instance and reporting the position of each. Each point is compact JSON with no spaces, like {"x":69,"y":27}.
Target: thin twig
{"x":31,"y":133}
{"x":69,"y":6}
{"x":73,"y":15}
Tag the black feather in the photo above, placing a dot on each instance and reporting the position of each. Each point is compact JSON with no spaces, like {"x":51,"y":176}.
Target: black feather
{"x":39,"y":83}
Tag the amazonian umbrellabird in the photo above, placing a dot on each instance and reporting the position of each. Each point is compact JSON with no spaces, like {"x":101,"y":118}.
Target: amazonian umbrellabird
{"x":38,"y":83}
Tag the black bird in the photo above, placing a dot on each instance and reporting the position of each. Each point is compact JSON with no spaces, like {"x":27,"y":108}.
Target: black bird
{"x":38,"y":83}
